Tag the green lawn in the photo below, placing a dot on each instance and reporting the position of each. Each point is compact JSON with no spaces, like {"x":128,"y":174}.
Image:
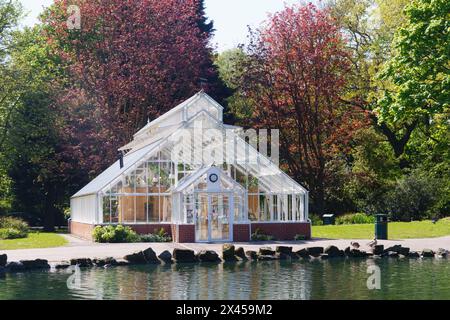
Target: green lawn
{"x":396,"y":230}
{"x":34,"y":240}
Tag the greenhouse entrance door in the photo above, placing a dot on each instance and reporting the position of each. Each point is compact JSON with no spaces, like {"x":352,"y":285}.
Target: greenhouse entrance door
{"x":213,"y":217}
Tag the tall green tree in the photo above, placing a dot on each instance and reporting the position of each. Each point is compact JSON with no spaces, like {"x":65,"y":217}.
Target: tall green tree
{"x":420,"y":67}
{"x":370,"y":26}
{"x":31,"y":142}
{"x":10,"y":13}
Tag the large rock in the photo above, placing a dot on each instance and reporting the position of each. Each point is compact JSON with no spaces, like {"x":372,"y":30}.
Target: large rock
{"x":14,"y":266}
{"x":3,"y":260}
{"x":150,"y":256}
{"x":184,"y":255}
{"x":283,"y":256}
{"x":99,"y":262}
{"x":302,"y":253}
{"x":62,"y":265}
{"x":107,"y":262}
{"x":347,"y":251}
{"x":81,"y":262}
{"x":427,"y":253}
{"x":228,"y":252}
{"x":396,"y":248}
{"x":2,"y":272}
{"x":284,"y":250}
{"x":393,"y":254}
{"x":252,"y":255}
{"x":208,"y":256}
{"x":35,"y":264}
{"x":378,"y":249}
{"x":136,"y":258}
{"x":240,"y":253}
{"x":266,"y":251}
{"x":333,"y":252}
{"x":267,"y":257}
{"x":166,"y":257}
{"x":414,"y":255}
{"x":315,"y":251}
{"x":122,"y":263}
{"x":110,"y":261}
{"x":442,"y":253}
{"x":354,"y":253}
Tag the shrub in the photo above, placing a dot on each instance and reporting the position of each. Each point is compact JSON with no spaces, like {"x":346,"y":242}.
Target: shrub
{"x":159,"y":236}
{"x":356,"y":218}
{"x":15,"y":223}
{"x":258,"y":235}
{"x":13,"y":228}
{"x":11,"y":233}
{"x":114,"y":234}
{"x":315,"y":220}
{"x":412,"y":198}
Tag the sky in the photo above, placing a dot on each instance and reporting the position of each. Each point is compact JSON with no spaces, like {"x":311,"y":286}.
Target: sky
{"x":231,"y":17}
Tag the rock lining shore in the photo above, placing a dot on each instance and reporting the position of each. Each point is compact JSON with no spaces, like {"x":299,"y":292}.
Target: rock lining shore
{"x":230,"y":254}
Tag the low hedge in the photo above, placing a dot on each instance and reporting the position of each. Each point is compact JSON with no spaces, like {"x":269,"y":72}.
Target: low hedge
{"x":355,"y":218}
{"x":114,"y":234}
{"x":122,"y":234}
{"x":13,"y":228}
{"x":159,"y":236}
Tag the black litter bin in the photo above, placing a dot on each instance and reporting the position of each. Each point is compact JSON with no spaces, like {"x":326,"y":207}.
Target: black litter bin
{"x":328,"y":219}
{"x":381,"y":227}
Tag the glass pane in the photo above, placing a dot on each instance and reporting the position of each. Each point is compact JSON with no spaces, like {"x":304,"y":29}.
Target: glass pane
{"x":201,"y":217}
{"x":289,"y":207}
{"x":106,"y":209}
{"x":153,"y":208}
{"x":117,"y":188}
{"x":141,"y":209}
{"x":238,"y":208}
{"x":220,"y":217}
{"x":126,"y":204}
{"x":253,"y":207}
{"x":114,"y":209}
{"x":166,"y":208}
{"x":275,"y":207}
{"x":252,"y":184}
{"x":189,"y":208}
{"x":153,"y":177}
{"x":166,"y":176}
{"x":264,"y":208}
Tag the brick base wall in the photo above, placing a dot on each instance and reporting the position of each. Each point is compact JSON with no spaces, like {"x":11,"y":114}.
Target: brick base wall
{"x":183,"y":233}
{"x":82,"y":230}
{"x":241,"y":232}
{"x":283,"y":231}
{"x":151,"y":228}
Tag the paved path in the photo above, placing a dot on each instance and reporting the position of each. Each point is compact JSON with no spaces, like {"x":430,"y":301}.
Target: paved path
{"x":78,"y":248}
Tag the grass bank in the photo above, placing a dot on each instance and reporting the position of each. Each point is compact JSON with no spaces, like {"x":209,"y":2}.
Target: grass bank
{"x":34,"y":240}
{"x":396,"y":230}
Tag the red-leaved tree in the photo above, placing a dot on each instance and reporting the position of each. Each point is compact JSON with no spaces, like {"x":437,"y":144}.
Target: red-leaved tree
{"x":293,"y":79}
{"x":132,"y":60}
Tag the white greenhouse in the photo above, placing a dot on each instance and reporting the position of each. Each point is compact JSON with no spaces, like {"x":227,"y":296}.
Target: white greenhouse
{"x":197,"y":178}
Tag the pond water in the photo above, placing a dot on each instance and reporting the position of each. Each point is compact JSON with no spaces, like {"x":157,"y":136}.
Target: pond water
{"x":332,"y":279}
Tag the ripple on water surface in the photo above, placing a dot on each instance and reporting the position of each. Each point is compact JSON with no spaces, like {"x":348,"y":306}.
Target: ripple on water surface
{"x":331,"y":279}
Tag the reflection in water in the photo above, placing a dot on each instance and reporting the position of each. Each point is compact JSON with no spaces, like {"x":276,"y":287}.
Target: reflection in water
{"x":332,"y":279}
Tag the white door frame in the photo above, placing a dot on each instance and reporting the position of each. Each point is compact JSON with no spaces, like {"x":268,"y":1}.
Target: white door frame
{"x":230,"y":195}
